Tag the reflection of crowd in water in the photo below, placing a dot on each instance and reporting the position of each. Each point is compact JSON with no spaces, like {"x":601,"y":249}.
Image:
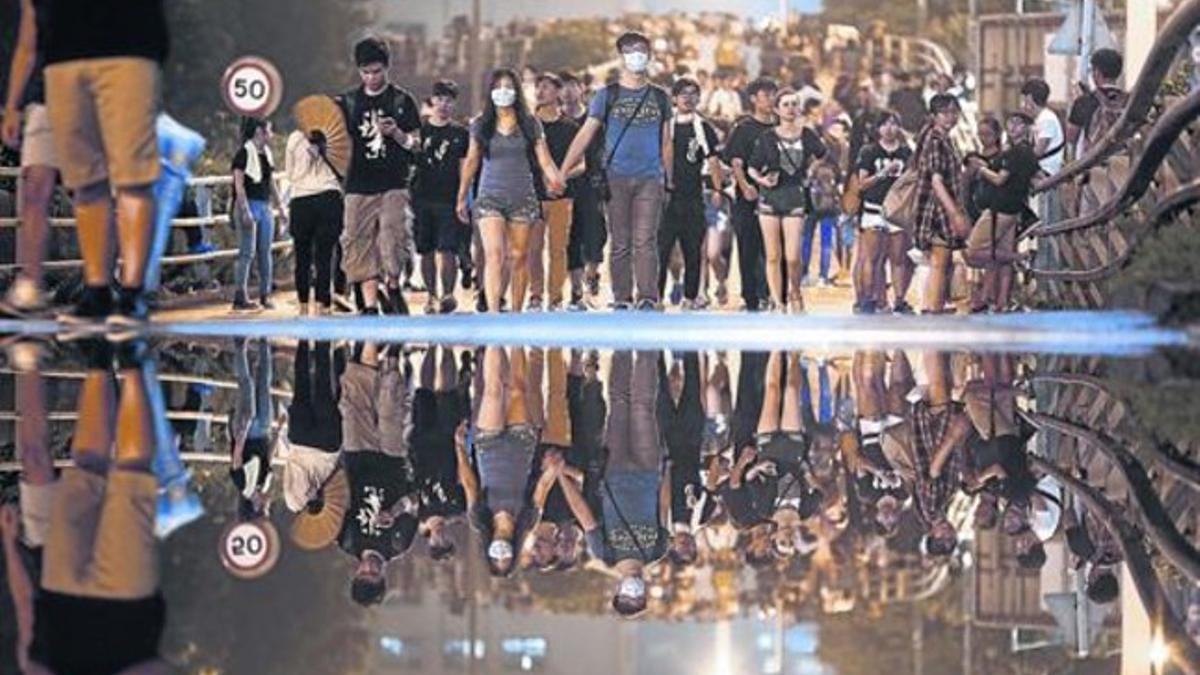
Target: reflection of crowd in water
{"x":700,"y":484}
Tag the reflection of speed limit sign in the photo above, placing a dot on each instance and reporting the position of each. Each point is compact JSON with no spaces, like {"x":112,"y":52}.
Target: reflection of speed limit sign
{"x":252,"y":86}
{"x":249,"y":550}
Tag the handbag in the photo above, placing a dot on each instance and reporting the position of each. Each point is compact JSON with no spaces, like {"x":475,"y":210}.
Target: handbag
{"x":900,"y":205}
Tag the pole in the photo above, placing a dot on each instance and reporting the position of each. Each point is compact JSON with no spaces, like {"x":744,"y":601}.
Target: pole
{"x":1087,"y":33}
{"x":474,"y":58}
{"x":1141,"y":25}
{"x":922,"y":17}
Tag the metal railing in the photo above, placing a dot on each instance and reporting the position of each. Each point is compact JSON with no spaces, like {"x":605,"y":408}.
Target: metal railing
{"x":280,"y":247}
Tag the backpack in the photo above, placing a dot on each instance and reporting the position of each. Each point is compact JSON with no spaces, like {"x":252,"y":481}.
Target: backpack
{"x":1112,"y":104}
{"x":823,"y":189}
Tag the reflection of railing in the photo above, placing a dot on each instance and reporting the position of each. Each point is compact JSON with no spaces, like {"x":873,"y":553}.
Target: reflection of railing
{"x":189,"y":457}
{"x":164,"y":377}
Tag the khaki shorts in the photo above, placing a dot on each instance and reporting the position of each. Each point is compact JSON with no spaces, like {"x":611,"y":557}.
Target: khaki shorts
{"x":37,"y":507}
{"x":37,"y":138}
{"x":376,"y":410}
{"x":102,"y":544}
{"x":1003,"y":228}
{"x":103,"y":114}
{"x":376,"y":236}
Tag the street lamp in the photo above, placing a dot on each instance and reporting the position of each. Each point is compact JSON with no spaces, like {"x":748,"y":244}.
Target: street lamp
{"x":1159,"y":653}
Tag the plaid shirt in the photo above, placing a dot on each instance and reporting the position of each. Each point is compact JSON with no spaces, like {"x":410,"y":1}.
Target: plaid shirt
{"x":932,"y":495}
{"x":936,"y":156}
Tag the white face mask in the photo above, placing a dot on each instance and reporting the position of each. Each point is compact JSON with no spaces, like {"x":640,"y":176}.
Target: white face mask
{"x":632,"y":587}
{"x":637,"y":61}
{"x":504,"y":97}
{"x":500,"y":550}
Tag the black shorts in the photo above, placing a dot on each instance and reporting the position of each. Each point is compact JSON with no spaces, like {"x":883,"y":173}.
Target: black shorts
{"x":436,"y":228}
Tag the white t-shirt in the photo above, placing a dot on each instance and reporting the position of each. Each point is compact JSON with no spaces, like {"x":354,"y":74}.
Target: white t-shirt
{"x":1049,"y":127}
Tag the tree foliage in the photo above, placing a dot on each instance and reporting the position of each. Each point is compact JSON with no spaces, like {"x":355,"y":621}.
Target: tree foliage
{"x":570,"y":45}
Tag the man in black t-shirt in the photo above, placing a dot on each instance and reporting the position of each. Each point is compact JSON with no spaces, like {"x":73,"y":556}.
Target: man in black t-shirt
{"x":589,"y":232}
{"x":103,"y":78}
{"x":696,"y":144}
{"x":738,"y":148}
{"x":1008,"y":181}
{"x":1094,"y":112}
{"x":556,"y":208}
{"x":384,"y":123}
{"x":439,"y":165}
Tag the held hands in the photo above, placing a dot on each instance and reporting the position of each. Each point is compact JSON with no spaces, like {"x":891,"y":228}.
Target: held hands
{"x":555,"y":184}
{"x":10,"y":133}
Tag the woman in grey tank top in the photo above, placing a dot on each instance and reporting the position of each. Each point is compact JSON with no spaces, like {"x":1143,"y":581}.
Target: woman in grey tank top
{"x":508,"y":152}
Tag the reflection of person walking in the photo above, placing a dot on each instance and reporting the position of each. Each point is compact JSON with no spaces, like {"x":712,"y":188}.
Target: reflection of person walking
{"x":102,"y":90}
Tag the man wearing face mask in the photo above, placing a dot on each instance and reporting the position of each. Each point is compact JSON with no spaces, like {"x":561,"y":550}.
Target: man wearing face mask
{"x":635,"y":116}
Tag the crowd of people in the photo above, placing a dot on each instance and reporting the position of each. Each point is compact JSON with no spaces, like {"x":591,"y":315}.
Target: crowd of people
{"x":560,"y":171}
{"x":662,"y":168}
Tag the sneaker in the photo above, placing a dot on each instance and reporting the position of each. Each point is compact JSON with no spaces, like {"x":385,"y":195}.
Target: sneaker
{"x":622,"y":306}
{"x":676,"y":293}
{"x":202,"y":248}
{"x":480,"y":303}
{"x":903,"y":307}
{"x":23,"y":300}
{"x":593,"y":285}
{"x":722,"y":294}
{"x":449,"y":305}
{"x":177,"y":507}
{"x":699,"y":304}
{"x":95,"y":304}
{"x":265,"y":302}
{"x":534,"y":304}
{"x":432,"y":306}
{"x":647,"y":305}
{"x":399,"y":305}
{"x":343,"y":303}
{"x":823,"y":282}
{"x":241,"y":304}
{"x":577,"y":304}
{"x":370,"y":311}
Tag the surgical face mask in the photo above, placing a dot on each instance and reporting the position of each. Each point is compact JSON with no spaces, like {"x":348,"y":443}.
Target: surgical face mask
{"x":504,"y":97}
{"x":637,"y":61}
{"x":632,"y":587}
{"x":500,"y":550}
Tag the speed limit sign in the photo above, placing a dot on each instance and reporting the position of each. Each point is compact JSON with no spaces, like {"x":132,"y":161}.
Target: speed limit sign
{"x":252,"y":86}
{"x":250,"y":549}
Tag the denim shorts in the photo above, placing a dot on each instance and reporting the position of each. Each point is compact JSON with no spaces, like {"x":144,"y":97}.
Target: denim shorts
{"x":783,"y":201}
{"x":525,"y":209}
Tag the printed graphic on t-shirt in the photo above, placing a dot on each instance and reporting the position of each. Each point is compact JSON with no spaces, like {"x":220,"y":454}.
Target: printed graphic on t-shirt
{"x":694,"y":151}
{"x":438,"y":155}
{"x":649,"y":115}
{"x":368,"y":514}
{"x":371,"y":135}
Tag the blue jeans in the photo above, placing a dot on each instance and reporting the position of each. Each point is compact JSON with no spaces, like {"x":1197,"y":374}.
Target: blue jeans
{"x":828,"y":227}
{"x":254,"y":245}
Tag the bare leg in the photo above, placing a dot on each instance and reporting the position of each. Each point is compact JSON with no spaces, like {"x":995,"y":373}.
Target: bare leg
{"x":771,"y":226}
{"x":135,"y":230}
{"x":492,"y":231}
{"x":97,"y":245}
{"x":518,"y":257}
{"x":793,"y":238}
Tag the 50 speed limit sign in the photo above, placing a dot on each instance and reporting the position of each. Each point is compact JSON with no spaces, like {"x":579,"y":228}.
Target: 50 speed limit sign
{"x":252,"y":86}
{"x":250,"y":549}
